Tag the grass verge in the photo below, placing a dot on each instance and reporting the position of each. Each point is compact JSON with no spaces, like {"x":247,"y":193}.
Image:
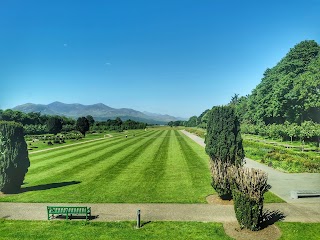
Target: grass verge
{"x":18,"y":229}
{"x":10,"y":229}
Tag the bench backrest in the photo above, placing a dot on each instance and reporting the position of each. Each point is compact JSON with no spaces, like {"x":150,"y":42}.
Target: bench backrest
{"x":60,"y":209}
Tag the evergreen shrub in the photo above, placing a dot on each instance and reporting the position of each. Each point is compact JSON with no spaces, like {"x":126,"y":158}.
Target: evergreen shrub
{"x":224,"y":146}
{"x":14,"y":160}
{"x":248,"y":187}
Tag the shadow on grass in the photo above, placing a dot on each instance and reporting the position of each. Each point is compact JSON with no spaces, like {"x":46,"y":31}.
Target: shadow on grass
{"x":48,"y":186}
{"x":144,"y":223}
{"x":78,"y":217}
{"x":270,"y":217}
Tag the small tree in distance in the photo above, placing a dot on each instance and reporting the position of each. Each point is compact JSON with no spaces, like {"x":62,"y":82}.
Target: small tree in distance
{"x":91,"y":120}
{"x":54,"y":125}
{"x":82,"y":125}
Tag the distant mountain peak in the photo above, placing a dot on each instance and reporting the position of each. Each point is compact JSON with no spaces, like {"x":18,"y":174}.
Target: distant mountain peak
{"x":99,"y":111}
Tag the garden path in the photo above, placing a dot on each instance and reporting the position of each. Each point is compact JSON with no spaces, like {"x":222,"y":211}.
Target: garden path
{"x":160,"y":211}
{"x":282,"y":183}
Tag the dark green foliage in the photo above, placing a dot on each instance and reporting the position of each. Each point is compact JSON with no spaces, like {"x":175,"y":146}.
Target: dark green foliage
{"x":287,"y":92}
{"x":248,"y":211}
{"x":90,"y":119}
{"x":203,"y":119}
{"x":82,"y":125}
{"x":54,"y":124}
{"x":224,"y":146}
{"x":35,"y":123}
{"x":176,"y":123}
{"x":192,"y":122}
{"x":223,"y":139}
{"x":14,"y":161}
{"x":118,"y":125}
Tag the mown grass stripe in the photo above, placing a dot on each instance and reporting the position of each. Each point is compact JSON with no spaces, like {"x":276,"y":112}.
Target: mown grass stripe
{"x":67,"y":152}
{"x":154,"y":171}
{"x":79,"y":164}
{"x":55,"y":152}
{"x":69,"y":156}
{"x":111,"y":172}
{"x":115,"y":169}
{"x":72,"y":153}
{"x":194,"y":162}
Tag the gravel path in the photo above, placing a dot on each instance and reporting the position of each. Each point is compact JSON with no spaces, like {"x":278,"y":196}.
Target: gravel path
{"x":160,"y":212}
{"x":282,"y":183}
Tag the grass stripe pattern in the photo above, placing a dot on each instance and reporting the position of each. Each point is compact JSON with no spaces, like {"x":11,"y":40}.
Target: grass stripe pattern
{"x":158,"y":165}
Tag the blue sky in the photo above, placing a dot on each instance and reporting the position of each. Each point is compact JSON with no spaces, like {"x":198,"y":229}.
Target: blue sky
{"x":170,"y":57}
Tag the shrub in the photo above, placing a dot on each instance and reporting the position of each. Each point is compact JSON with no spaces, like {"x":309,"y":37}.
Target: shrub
{"x":224,"y":146}
{"x":248,"y":187}
{"x":220,"y":179}
{"x":50,"y":143}
{"x":14,"y":161}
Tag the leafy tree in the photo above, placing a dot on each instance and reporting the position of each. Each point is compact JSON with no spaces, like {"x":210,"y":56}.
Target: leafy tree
{"x":82,"y":125}
{"x":289,"y":91}
{"x":192,"y":122}
{"x":170,"y":123}
{"x":224,"y":146}
{"x":14,"y":161}
{"x":90,"y":119}
{"x":54,"y":124}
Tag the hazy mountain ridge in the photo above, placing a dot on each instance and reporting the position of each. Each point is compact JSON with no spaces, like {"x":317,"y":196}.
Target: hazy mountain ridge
{"x":99,"y":111}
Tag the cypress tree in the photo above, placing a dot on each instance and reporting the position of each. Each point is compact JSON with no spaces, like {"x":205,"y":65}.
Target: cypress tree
{"x":14,"y":160}
{"x":223,"y":139}
{"x":224,"y":146}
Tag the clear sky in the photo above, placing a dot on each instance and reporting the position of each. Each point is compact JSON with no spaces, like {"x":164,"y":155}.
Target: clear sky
{"x":176,"y":57}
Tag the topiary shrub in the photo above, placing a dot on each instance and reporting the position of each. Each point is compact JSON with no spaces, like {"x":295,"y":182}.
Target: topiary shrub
{"x":224,"y":146}
{"x":14,"y":161}
{"x":248,"y":187}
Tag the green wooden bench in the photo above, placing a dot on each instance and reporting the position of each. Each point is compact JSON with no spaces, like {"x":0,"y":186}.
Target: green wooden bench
{"x":68,"y":211}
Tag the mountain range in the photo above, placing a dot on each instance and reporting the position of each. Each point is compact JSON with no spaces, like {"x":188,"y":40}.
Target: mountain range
{"x":99,"y":111}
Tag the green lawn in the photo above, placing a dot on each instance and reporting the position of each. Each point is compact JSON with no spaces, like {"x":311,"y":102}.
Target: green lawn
{"x":109,"y":230}
{"x":11,"y":229}
{"x":153,"y":166}
{"x":298,"y":231}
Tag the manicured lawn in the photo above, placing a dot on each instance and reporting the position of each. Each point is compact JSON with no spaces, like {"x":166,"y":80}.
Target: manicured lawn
{"x":153,"y":166}
{"x":11,"y":229}
{"x":109,"y":230}
{"x":298,"y":231}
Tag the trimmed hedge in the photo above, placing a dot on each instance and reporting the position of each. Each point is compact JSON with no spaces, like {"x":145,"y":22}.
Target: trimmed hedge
{"x":248,"y":211}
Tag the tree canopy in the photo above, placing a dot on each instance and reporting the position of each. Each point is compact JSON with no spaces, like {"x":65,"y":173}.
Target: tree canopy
{"x":82,"y":125}
{"x":290,"y":91}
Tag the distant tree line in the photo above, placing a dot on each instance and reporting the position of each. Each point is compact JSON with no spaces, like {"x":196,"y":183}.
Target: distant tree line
{"x":36,"y":123}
